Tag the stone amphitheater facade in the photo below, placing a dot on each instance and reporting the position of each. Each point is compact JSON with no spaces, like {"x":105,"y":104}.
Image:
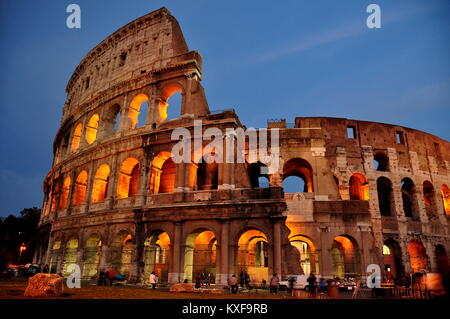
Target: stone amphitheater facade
{"x":369,"y":193}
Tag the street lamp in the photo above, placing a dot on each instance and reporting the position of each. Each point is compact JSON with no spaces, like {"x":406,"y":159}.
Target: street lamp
{"x":21,"y":250}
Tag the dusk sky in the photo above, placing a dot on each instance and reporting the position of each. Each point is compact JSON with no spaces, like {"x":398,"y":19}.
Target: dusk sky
{"x":265,"y":59}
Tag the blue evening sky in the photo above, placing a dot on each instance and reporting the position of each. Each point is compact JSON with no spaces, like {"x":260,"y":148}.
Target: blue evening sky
{"x":266,"y":59}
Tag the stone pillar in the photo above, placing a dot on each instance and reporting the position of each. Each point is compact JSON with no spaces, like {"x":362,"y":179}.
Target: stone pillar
{"x":180,"y":177}
{"x":175,"y":271}
{"x":90,"y":184}
{"x":277,"y":248}
{"x":222,"y":269}
{"x":114,"y":176}
{"x":325,"y":262}
{"x":48,"y":252}
{"x":104,"y":265}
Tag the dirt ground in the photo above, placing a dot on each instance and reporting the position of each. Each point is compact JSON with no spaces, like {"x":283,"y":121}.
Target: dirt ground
{"x":14,"y":289}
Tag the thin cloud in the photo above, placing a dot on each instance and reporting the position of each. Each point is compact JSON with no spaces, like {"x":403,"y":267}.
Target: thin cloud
{"x":339,"y":33}
{"x":311,"y":42}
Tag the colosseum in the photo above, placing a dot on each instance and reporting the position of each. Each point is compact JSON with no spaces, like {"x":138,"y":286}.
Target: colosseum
{"x":366,"y":193}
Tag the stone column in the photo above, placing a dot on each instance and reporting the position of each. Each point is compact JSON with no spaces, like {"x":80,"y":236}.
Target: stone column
{"x":180,"y":177}
{"x":222,"y":273}
{"x":325,"y":262}
{"x":113,"y":178}
{"x":277,"y":247}
{"x":175,"y":272}
{"x":90,"y":185}
{"x":104,"y":257}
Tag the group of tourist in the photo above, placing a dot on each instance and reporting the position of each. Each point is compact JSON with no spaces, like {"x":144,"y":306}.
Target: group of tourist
{"x":203,"y":279}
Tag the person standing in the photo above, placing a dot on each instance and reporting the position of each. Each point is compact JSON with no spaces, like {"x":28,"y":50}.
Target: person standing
{"x":274,"y":282}
{"x":232,"y":282}
{"x":242,"y":278}
{"x":247,"y":280}
{"x":153,"y":280}
{"x":311,"y":283}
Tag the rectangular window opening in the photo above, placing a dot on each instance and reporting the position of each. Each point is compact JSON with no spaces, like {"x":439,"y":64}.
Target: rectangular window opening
{"x":351,"y":132}
{"x":400,"y":138}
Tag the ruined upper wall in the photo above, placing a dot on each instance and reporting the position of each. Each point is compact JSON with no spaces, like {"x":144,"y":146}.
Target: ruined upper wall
{"x":379,"y":136}
{"x":148,"y":43}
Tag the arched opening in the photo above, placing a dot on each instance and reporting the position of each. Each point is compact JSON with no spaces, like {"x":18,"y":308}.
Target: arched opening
{"x":170,"y":102}
{"x":128,"y":181}
{"x":200,"y":255}
{"x":428,"y":198}
{"x":359,"y":187}
{"x":65,"y":193}
{"x":417,"y":256}
{"x":162,"y":177}
{"x":385,"y":196}
{"x":253,"y":255}
{"x":55,"y":197}
{"x":111,"y":120}
{"x":91,"y":257}
{"x":445,"y":193}
{"x":441,"y":259}
{"x":79,"y":193}
{"x":381,"y":162}
{"x":156,"y":256}
{"x":297,"y":176}
{"x":122,"y":253}
{"x":70,"y":255}
{"x":91,"y":129}
{"x":346,"y":258}
{"x":409,"y":199}
{"x":309,"y":259}
{"x":101,"y":183}
{"x":137,"y":112}
{"x":258,"y":175}
{"x":76,"y":137}
{"x":207,"y":173}
{"x":392,"y":257}
{"x":55,"y":256}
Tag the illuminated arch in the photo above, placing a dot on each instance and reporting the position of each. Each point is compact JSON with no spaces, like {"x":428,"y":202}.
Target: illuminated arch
{"x":70,"y":255}
{"x":345,"y":257}
{"x":79,"y":193}
{"x":65,"y":193}
{"x":162,"y":177}
{"x":163,"y":104}
{"x":91,"y":129}
{"x":128,"y":181}
{"x":76,"y":138}
{"x":91,"y":257}
{"x":308,"y":255}
{"x":300,"y":168}
{"x":417,"y":256}
{"x":157,"y":255}
{"x":101,"y":182}
{"x":359,"y":187}
{"x":135,"y":109}
{"x":200,"y":254}
{"x":122,"y":250}
{"x":253,"y":254}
